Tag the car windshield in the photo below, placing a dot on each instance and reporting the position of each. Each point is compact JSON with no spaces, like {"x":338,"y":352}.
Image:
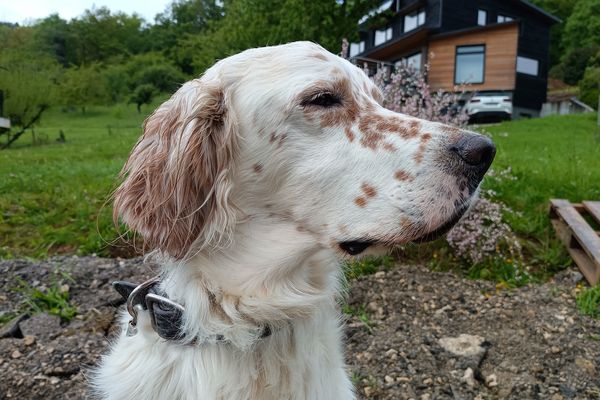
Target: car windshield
{"x":490,"y":94}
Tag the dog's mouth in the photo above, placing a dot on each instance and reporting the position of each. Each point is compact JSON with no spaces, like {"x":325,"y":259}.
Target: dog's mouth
{"x":355,"y":247}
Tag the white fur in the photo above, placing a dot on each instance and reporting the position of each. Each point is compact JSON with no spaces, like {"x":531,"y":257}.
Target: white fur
{"x":292,"y":188}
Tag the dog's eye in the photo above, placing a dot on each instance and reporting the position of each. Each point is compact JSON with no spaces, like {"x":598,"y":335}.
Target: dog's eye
{"x":324,"y":100}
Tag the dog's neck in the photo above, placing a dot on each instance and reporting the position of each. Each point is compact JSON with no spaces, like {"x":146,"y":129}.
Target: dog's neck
{"x":272,"y":275}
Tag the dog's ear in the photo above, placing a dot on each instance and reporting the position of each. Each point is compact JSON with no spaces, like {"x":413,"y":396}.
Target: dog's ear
{"x":176,"y":183}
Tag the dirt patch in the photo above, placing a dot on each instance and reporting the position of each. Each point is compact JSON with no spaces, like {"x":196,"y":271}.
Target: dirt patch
{"x":412,"y":334}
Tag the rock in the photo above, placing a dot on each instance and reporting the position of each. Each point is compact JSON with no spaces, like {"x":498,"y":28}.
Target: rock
{"x":586,"y":365}
{"x":491,"y":380}
{"x":28,"y":340}
{"x":469,"y":377}
{"x":468,"y":349}
{"x":368,"y":391}
{"x":44,"y":326}
{"x":464,"y":345}
{"x":425,"y":396}
{"x":391,"y":352}
{"x":576,"y":277}
{"x":388,"y":379}
{"x":427,"y":381}
{"x":12,"y":329}
{"x":16,"y":354}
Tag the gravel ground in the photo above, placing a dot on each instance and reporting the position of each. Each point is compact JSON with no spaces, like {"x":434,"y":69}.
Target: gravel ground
{"x":413,"y":334}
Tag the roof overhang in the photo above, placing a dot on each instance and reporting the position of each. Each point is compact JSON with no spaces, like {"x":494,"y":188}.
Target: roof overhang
{"x":399,"y":45}
{"x":476,"y":29}
{"x":546,"y":15}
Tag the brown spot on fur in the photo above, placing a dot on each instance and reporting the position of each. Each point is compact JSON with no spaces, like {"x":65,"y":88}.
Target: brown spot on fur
{"x":360,"y":201}
{"x":425,"y":137}
{"x":389,"y":147}
{"x":319,"y":56}
{"x":349,"y":133}
{"x":418,"y":157}
{"x":368,"y":190}
{"x":301,"y":228}
{"x":282,"y":139}
{"x":402,"y":175}
{"x":273,"y":137}
{"x":414,"y":127}
{"x":376,"y":93}
{"x":257,"y":168}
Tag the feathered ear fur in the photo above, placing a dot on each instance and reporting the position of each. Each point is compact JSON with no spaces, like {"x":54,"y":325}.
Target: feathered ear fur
{"x":177,"y":179}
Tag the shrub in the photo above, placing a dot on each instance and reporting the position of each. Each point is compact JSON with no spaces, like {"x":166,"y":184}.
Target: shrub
{"x":406,"y":91}
{"x":589,"y":87}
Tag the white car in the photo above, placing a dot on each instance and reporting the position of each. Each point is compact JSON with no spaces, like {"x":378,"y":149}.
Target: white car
{"x":489,"y":105}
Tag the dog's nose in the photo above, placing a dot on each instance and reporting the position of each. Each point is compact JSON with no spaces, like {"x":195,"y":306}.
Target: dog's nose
{"x":475,"y":150}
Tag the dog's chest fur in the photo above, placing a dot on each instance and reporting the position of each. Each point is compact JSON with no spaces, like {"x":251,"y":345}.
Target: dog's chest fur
{"x":301,"y":361}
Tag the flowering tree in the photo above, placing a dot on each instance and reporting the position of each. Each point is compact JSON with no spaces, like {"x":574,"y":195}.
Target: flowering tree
{"x":406,"y":91}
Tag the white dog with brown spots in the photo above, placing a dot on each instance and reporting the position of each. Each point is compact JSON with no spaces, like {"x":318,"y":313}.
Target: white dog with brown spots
{"x":252,"y":182}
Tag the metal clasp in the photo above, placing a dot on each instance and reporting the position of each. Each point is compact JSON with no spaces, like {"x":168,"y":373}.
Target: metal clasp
{"x":134,"y":305}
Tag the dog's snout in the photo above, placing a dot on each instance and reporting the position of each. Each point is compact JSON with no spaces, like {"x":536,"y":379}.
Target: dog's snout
{"x":475,"y":150}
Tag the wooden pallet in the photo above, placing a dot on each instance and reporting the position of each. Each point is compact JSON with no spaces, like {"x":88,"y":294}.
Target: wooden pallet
{"x":582,"y":241}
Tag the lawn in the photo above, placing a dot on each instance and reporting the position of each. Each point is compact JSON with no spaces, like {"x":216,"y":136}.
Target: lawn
{"x":53,"y":195}
{"x":553,"y":157}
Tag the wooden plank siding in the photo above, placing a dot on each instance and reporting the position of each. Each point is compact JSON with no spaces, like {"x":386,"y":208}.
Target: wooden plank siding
{"x":500,"y":57}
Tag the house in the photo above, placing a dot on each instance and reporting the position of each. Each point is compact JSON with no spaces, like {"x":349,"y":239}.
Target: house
{"x":563,"y":104}
{"x":491,"y":45}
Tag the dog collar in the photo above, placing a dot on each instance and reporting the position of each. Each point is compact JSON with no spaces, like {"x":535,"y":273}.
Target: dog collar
{"x":166,"y":315}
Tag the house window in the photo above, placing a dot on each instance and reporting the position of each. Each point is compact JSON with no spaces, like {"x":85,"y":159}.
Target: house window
{"x":383,"y":36}
{"x":481,"y":17}
{"x":470,"y":64}
{"x":413,"y":61}
{"x":527,"y":66}
{"x":504,"y":18}
{"x":414,"y":20}
{"x":356,"y":48}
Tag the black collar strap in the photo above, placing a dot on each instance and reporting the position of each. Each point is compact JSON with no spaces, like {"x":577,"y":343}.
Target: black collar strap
{"x":166,"y":315}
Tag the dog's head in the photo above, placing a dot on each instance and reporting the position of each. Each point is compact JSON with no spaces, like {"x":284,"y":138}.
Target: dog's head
{"x":296,"y":133}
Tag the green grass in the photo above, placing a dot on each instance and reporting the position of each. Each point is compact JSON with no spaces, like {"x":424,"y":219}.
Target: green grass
{"x":52,"y":194}
{"x":53,"y":299}
{"x":553,"y":157}
{"x":588,"y":302}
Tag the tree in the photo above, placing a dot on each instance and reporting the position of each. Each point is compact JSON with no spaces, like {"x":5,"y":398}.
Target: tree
{"x":28,"y":82}
{"x":53,"y":36}
{"x":582,"y":29}
{"x":142,"y":94}
{"x":102,"y":36}
{"x":83,"y":86}
{"x":253,"y":23}
{"x":561,"y":9}
{"x":589,"y":87}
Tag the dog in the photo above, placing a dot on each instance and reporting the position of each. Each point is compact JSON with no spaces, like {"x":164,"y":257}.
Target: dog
{"x":250,"y":184}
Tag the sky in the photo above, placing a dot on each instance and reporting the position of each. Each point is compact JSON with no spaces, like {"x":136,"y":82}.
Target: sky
{"x":22,"y":11}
